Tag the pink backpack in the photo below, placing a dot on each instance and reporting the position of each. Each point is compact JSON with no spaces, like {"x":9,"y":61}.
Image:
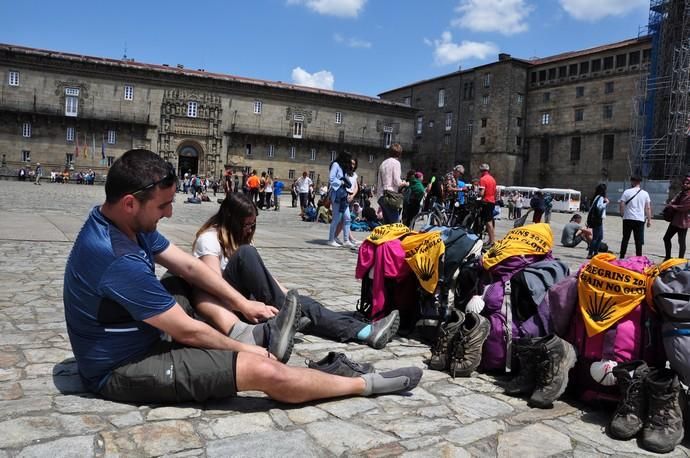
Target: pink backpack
{"x":636,"y":336}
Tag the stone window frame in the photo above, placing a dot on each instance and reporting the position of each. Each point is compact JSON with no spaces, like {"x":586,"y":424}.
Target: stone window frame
{"x":128,"y":92}
{"x":371,"y":158}
{"x":312,"y":154}
{"x":579,"y":91}
{"x":72,"y":101}
{"x":545,"y":118}
{"x":579,"y":114}
{"x":258,"y":106}
{"x":292,"y":152}
{"x":607,"y":112}
{"x":291,"y":174}
{"x":441,"y":98}
{"x":112,"y":137}
{"x":13,"y":78}
{"x":26,"y":155}
{"x":338,"y":117}
{"x":192,"y":109}
{"x":70,"y":134}
{"x":298,"y":129}
{"x":420,"y":125}
{"x":271,"y":152}
{"x":27,"y":130}
{"x":607,"y":153}
{"x":449,"y":121}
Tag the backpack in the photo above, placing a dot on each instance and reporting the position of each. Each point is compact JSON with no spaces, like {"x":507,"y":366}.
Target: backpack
{"x":634,"y":333}
{"x":671,"y":293}
{"x":197,"y":182}
{"x":310,"y":214}
{"x":594,"y":216}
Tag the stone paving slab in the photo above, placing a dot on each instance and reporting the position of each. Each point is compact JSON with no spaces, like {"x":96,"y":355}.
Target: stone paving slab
{"x":45,"y":411}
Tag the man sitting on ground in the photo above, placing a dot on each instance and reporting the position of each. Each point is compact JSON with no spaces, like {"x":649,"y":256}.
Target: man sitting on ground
{"x":573,"y":233}
{"x":117,"y":312}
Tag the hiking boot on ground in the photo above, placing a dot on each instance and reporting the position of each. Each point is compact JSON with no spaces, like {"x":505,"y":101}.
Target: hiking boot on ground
{"x":629,"y":416}
{"x":282,"y":327}
{"x":339,"y":364}
{"x":663,"y":428}
{"x":384,"y":330}
{"x":526,"y":379}
{"x":557,"y":357}
{"x":440,"y":351}
{"x":466,"y":353}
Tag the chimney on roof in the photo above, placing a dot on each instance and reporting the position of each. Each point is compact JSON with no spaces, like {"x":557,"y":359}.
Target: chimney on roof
{"x":166,"y":65}
{"x":503,"y":56}
{"x":459,"y":68}
{"x":180,"y":66}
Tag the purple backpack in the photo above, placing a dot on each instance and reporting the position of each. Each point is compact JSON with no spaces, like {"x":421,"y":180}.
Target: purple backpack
{"x":499,"y":312}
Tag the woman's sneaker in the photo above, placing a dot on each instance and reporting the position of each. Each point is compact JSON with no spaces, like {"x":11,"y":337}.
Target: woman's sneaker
{"x":333,"y":243}
{"x":339,"y":364}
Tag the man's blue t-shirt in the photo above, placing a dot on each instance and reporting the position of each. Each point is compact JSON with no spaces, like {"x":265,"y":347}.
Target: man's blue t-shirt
{"x":278,"y":188}
{"x":110,"y":287}
{"x":461,"y":194}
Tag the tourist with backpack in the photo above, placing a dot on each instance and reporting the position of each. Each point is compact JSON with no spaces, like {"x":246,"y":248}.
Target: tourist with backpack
{"x":678,"y":219}
{"x":635,"y":207}
{"x":595,"y":218}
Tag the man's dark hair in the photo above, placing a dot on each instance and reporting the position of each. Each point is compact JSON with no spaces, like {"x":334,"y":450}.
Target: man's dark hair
{"x":138,"y":172}
{"x":576,"y":216}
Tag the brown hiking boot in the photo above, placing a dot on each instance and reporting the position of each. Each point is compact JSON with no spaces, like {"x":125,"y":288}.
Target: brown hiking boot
{"x":526,"y":379}
{"x":557,"y":357}
{"x":440,"y":360}
{"x":663,"y":429}
{"x":466,"y":353}
{"x":630,"y":413}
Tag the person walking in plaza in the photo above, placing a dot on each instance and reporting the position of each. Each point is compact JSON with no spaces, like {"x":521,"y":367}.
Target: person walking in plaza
{"x":388,"y":186}
{"x":338,"y":183}
{"x":253,"y":184}
{"x":635,"y":206}
{"x":268,"y":192}
{"x":596,"y":217}
{"x":487,"y":193}
{"x":538,"y":206}
{"x":519,"y":202}
{"x":117,"y":311}
{"x":303,"y":185}
{"x":680,"y":221}
{"x":277,"y":192}
{"x":227,"y":180}
{"x":224,"y":243}
{"x":39,"y":173}
{"x":352,"y":191}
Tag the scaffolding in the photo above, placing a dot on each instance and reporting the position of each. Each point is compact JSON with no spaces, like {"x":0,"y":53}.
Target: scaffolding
{"x":661,"y":118}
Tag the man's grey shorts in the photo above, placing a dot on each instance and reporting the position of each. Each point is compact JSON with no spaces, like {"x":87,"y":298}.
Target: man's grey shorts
{"x":173,"y":373}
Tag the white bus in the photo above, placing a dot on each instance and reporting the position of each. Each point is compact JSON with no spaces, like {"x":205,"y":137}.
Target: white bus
{"x":527,"y":193}
{"x":564,"y":200}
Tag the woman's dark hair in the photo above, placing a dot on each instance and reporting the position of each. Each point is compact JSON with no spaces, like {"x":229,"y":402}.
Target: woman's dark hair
{"x":410,"y":175}
{"x":600,"y":190}
{"x":344,"y":160}
{"x":229,"y":223}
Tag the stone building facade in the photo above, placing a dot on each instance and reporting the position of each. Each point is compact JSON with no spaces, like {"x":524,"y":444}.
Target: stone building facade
{"x":562,"y":121}
{"x":78,"y":112}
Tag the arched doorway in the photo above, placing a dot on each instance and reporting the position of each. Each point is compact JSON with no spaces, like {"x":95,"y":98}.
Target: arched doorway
{"x":188,"y":160}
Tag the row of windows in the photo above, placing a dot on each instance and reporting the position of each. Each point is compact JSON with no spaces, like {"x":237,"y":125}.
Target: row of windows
{"x":576,"y":148}
{"x":448,"y":123}
{"x":618,"y":61}
{"x":292,"y":152}
{"x":69,"y":158}
{"x":580,"y":91}
{"x":27,"y":132}
{"x":13,"y":80}
{"x":579,"y":114}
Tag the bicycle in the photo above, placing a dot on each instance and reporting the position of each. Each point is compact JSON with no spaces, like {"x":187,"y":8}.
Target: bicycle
{"x":474,"y":222}
{"x":435,"y":216}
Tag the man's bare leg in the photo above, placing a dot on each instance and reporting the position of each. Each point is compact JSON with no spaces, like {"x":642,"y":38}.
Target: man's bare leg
{"x":291,"y":384}
{"x":490,"y":231}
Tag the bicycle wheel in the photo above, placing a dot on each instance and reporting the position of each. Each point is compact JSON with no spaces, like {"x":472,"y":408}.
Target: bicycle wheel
{"x":420,"y":220}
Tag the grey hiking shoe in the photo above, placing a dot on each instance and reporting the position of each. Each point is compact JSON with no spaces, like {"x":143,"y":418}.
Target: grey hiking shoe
{"x":440,"y":351}
{"x":557,"y":358}
{"x":395,"y":381}
{"x":339,"y":364}
{"x":663,"y":429}
{"x":630,"y":413}
{"x":526,"y":379}
{"x":466,"y":352}
{"x":384,"y":330}
{"x":282,"y":327}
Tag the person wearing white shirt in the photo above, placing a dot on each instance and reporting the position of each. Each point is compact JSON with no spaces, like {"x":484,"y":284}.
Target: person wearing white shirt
{"x":635,"y":207}
{"x":303,"y":185}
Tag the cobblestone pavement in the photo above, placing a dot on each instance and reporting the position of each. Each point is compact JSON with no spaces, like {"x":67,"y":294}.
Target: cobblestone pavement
{"x":44,"y":410}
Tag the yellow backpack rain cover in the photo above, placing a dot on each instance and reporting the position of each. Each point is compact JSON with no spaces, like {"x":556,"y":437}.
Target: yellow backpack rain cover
{"x":532,"y":239}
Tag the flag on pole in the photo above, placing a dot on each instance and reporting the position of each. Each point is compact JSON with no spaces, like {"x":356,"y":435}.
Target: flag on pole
{"x":76,"y":146}
{"x":102,"y":150}
{"x":85,"y":150}
{"x":93,"y":146}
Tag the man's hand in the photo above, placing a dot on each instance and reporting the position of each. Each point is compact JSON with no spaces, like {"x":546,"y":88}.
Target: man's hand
{"x":256,"y":311}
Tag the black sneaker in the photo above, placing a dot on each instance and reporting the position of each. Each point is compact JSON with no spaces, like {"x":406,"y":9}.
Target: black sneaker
{"x":440,"y":351}
{"x":282,"y":328}
{"x":384,"y":330}
{"x":339,"y":364}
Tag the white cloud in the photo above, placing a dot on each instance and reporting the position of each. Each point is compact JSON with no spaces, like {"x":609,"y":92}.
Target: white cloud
{"x":593,"y":10}
{"x":341,"y":8}
{"x":504,"y":16}
{"x":352,"y":42}
{"x":323,"y":79}
{"x":446,"y":52}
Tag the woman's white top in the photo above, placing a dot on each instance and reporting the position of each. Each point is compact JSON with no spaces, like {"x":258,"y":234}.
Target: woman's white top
{"x":208,"y":245}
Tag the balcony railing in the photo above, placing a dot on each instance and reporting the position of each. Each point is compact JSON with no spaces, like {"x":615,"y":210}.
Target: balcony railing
{"x":314,"y":134}
{"x":131,"y":115}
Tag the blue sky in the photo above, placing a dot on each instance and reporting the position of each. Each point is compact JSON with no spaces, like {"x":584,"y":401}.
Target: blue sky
{"x":360,"y":46}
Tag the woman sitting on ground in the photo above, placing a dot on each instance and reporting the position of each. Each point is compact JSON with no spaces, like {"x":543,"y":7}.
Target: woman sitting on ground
{"x":224,"y":244}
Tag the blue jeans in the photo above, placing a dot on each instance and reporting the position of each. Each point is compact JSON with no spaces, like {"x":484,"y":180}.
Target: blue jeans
{"x":597,"y":237}
{"x":339,"y":213}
